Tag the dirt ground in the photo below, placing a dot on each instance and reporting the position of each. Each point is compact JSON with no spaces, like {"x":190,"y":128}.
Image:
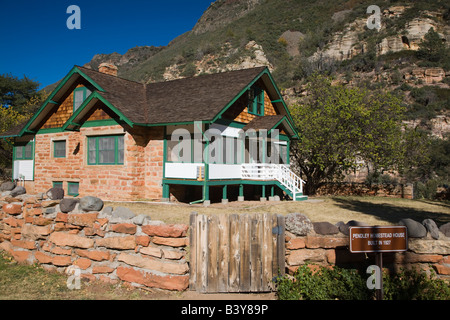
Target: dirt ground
{"x":372,"y":210}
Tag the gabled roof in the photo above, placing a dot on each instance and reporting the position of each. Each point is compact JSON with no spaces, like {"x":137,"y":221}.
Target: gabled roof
{"x":269,"y":123}
{"x":202,"y":98}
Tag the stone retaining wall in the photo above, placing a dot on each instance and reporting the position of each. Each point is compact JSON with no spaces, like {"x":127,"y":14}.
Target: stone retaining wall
{"x":325,"y":244}
{"x":107,"y":244}
{"x":112,"y":244}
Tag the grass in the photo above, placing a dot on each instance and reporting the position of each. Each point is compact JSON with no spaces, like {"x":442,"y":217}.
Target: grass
{"x":24,"y":282}
{"x":372,"y":210}
{"x":32,"y":282}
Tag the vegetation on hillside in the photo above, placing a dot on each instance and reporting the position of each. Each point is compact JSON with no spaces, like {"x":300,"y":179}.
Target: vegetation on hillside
{"x":228,"y":26}
{"x":19,"y":99}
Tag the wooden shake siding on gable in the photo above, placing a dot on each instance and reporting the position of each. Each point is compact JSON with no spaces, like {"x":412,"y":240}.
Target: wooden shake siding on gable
{"x":65,"y":111}
{"x":239,"y":111}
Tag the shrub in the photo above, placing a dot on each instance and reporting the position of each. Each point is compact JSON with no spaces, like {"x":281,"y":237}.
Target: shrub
{"x":414,"y":285}
{"x":323,"y":284}
{"x":347,"y":284}
{"x":427,"y":190}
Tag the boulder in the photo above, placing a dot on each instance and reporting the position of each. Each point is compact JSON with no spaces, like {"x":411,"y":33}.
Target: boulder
{"x":107,"y":211}
{"x":123,"y":213}
{"x":432,"y":228}
{"x":141,"y":219}
{"x":344,"y":227}
{"x":17,"y":191}
{"x":55,"y":193}
{"x":325,"y":228}
{"x":90,"y":203}
{"x":415,"y":229}
{"x":445,"y":229}
{"x":298,"y":224}
{"x":7,"y":186}
{"x":67,"y":205}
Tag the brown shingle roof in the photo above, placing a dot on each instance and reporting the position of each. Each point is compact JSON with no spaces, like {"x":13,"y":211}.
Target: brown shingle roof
{"x":266,"y":122}
{"x":184,"y":100}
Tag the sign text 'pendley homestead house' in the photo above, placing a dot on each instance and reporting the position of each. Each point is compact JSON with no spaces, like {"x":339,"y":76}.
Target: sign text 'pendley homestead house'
{"x":212,"y":137}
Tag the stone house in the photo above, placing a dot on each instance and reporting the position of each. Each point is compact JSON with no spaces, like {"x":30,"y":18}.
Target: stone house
{"x":98,"y":134}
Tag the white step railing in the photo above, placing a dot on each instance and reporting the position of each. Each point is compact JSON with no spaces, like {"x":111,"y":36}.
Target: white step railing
{"x":279,"y":172}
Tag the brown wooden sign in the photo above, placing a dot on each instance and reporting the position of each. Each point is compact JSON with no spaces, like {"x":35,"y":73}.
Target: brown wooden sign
{"x":378,"y":239}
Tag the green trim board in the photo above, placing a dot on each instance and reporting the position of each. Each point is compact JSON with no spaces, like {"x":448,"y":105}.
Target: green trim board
{"x":236,"y":182}
{"x":59,"y":148}
{"x":256,"y":105}
{"x":73,"y":189}
{"x":285,"y":120}
{"x":26,"y":151}
{"x":95,"y":147}
{"x":50,"y":100}
{"x":78,"y":101}
{"x":74,"y":120}
{"x":57,"y":184}
{"x":249,"y":87}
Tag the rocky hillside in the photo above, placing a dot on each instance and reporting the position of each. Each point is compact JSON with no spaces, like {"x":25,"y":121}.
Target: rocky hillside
{"x":298,"y":37}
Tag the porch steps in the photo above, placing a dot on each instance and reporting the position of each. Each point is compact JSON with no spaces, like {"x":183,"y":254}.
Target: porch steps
{"x":298,"y":196}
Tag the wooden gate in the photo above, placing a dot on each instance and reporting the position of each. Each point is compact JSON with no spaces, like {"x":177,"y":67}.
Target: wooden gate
{"x":236,"y":253}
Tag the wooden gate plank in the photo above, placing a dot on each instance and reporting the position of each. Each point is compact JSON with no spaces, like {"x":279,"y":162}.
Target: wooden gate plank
{"x":235,"y":258}
{"x":244,"y":240}
{"x":281,"y":246}
{"x":193,"y":250}
{"x":236,"y":253}
{"x":202,"y":251}
{"x":213,"y":248}
{"x":266,"y":252}
{"x":224,"y":252}
{"x":274,"y":237}
{"x":255,"y":253}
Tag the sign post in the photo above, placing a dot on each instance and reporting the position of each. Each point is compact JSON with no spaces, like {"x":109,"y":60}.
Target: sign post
{"x":378,"y":239}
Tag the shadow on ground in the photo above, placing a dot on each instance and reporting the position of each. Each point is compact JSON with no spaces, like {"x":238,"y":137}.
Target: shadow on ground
{"x":392,"y":213}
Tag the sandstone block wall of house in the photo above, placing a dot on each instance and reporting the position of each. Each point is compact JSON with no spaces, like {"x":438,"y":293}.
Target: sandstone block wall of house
{"x":140,"y":176}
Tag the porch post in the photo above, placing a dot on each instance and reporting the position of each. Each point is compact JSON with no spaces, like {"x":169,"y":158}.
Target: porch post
{"x":272,"y":193}
{"x":206,"y":193}
{"x":241,"y":192}
{"x":224,"y":194}
{"x":263,"y":194}
{"x":166,"y":193}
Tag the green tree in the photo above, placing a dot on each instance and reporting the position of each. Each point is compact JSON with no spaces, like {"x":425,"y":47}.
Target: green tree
{"x":15,"y":92}
{"x":342,"y":127}
{"x":433,"y":49}
{"x":19,"y":99}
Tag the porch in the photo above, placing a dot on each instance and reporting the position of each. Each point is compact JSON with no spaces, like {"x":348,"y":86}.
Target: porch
{"x":271,"y":178}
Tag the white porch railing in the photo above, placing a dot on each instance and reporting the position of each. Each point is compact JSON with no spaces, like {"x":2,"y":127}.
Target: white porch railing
{"x":279,"y":172}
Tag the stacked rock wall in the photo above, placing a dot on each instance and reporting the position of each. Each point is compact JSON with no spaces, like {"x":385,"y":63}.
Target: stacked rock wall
{"x":325,"y":244}
{"x":104,"y":243}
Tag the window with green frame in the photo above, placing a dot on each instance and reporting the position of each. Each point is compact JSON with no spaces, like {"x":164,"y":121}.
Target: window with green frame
{"x":73,"y":188}
{"x":58,"y":184}
{"x":59,"y":149}
{"x":106,"y":150}
{"x":24,"y":151}
{"x":256,"y":101}
{"x":79,"y":95}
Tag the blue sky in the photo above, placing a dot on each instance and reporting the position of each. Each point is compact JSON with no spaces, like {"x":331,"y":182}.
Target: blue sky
{"x":37,"y":43}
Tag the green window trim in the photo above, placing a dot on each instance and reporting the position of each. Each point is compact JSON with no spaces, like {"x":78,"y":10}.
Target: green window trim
{"x":73,"y":189}
{"x":24,"y":152}
{"x":79,"y":96}
{"x":256,"y":101}
{"x":95,"y":149}
{"x":59,"y":149}
{"x":58,"y":184}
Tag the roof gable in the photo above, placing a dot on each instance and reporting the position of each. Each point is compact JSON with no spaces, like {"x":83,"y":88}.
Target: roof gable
{"x":202,"y":98}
